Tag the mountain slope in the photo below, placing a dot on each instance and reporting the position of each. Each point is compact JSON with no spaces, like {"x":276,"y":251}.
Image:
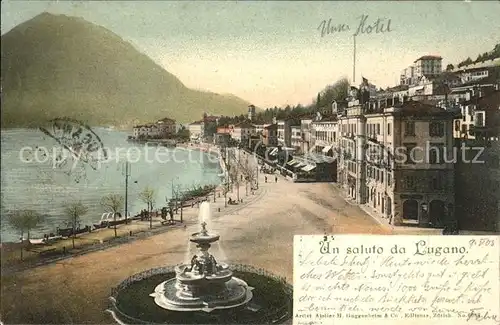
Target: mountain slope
{"x":55,"y":65}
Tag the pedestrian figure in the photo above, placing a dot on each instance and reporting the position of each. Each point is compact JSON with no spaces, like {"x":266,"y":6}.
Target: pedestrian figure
{"x":171,"y":213}
{"x":276,"y":179}
{"x":265,"y":178}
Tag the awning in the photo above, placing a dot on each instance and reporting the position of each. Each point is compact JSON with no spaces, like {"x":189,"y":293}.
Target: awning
{"x":326,"y":149}
{"x":308,"y":168}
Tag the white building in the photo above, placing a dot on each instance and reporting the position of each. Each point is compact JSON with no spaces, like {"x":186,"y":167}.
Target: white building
{"x":325,"y":132}
{"x":427,"y":65}
{"x":243,"y":131}
{"x":296,"y":137}
{"x":196,"y":130}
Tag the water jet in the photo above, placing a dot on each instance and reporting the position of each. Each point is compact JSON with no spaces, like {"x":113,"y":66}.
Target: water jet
{"x":203,"y":290}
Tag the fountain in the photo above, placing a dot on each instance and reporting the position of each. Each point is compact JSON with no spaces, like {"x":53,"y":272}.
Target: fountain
{"x":204,"y":284}
{"x":202,"y":291}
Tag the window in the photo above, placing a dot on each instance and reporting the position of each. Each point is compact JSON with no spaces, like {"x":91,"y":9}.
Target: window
{"x":436,"y":153}
{"x":471,"y":129}
{"x":410,"y":128}
{"x":436,"y":129}
{"x":457,"y":125}
{"x":378,"y":128}
{"x":409,"y":183}
{"x":437,"y":183}
{"x":388,"y":128}
{"x":410,"y":153}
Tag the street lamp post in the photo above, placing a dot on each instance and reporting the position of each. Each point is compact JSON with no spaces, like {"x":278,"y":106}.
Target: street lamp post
{"x":127,"y":174}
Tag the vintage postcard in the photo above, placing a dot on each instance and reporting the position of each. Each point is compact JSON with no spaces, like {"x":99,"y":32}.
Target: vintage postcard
{"x":250,"y":162}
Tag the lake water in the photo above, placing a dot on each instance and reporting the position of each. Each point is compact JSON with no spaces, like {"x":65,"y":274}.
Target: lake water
{"x":33,"y":180}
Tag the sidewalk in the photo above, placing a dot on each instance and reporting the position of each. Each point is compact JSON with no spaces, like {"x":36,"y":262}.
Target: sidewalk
{"x":404,"y":229}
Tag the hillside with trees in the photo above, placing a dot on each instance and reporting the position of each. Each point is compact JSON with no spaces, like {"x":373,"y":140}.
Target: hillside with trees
{"x":486,"y":56}
{"x":334,"y":92}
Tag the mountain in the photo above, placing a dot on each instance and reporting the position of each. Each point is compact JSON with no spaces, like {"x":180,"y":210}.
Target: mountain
{"x":55,"y":66}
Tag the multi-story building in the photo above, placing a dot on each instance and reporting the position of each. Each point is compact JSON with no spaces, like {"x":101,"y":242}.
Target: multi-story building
{"x":478,"y":167}
{"x":480,"y":116}
{"x":296,"y":137}
{"x":196,"y":130}
{"x":307,"y":141}
{"x":146,"y":131}
{"x":284,"y":132}
{"x":392,"y":158}
{"x":259,"y":128}
{"x":242,"y":132}
{"x":161,"y":129}
{"x":427,"y":65}
{"x":477,"y":183}
{"x":325,"y":133}
{"x":167,"y":127}
{"x":477,"y":71}
{"x":407,"y":76}
{"x":269,"y":136}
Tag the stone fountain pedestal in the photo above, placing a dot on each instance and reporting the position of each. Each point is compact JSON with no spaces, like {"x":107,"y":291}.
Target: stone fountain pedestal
{"x":203,"y":285}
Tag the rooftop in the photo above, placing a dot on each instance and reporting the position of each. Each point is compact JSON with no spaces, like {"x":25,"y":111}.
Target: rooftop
{"x":489,"y":102}
{"x":429,"y":57}
{"x":244,"y":125}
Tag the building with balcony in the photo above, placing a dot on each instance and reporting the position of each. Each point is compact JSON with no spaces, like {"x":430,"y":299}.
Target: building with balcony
{"x":395,"y":157}
{"x":325,"y":132}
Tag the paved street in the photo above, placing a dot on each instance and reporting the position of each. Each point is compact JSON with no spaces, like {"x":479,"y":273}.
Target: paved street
{"x":258,"y":232}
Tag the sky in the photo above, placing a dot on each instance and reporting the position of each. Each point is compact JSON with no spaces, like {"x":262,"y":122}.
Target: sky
{"x":273,"y":53}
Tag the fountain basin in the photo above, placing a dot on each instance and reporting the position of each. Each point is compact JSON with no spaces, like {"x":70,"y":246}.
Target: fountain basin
{"x":271,"y":303}
{"x":204,"y":238}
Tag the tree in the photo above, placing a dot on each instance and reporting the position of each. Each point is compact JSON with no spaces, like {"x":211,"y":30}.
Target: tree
{"x":73,"y":212}
{"x":178,"y":196}
{"x":24,"y":221}
{"x":183,"y":133}
{"x":148,"y":196}
{"x":113,"y":203}
{"x":336,"y":92}
{"x":234,"y":173}
{"x":450,"y":67}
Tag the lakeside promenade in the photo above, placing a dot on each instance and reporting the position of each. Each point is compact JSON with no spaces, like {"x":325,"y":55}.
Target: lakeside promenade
{"x":257,"y":232}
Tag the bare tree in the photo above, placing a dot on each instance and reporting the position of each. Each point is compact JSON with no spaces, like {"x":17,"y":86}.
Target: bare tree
{"x":225,"y":190}
{"x":73,"y":212}
{"x":235,"y":180}
{"x":113,"y":203}
{"x":148,"y":196}
{"x":178,"y":196}
{"x":24,"y":221}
